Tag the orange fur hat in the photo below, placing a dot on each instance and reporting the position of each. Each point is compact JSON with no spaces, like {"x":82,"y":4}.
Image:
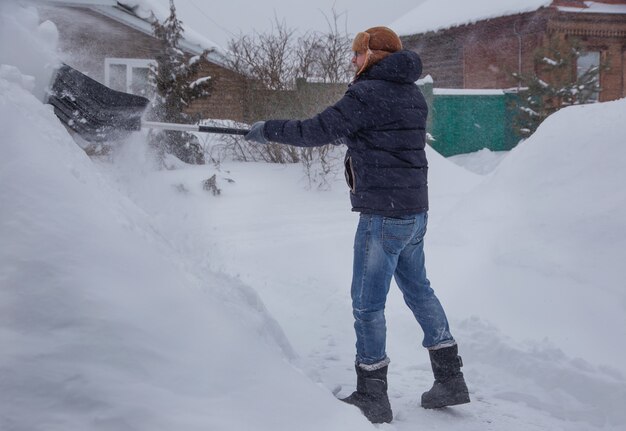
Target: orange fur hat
{"x":377,"y":43}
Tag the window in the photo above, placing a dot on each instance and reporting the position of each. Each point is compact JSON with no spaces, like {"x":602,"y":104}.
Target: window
{"x":586,"y":63}
{"x":129,"y":75}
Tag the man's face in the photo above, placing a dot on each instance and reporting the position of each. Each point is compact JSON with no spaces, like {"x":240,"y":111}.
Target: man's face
{"x":358,"y":60}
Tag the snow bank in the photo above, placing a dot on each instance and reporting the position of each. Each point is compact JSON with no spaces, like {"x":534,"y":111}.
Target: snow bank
{"x":28,"y":45}
{"x":103,"y":323}
{"x":105,"y":326}
{"x":481,"y":162}
{"x":447,"y":182}
{"x":547,"y":234}
{"x":529,"y":265}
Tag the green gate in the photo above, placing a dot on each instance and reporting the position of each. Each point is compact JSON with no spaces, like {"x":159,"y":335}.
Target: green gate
{"x":463,"y":121}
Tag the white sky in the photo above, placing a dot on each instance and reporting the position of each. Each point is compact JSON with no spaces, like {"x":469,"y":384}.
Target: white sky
{"x":228,"y":18}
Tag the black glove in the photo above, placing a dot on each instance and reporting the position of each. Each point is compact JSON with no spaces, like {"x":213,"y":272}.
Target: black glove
{"x":257,"y":133}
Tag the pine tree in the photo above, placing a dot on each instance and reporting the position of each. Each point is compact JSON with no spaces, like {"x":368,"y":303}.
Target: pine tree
{"x":554,"y":85}
{"x":176,"y":81}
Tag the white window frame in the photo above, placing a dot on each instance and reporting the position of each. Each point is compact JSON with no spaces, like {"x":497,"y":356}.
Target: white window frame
{"x":130,"y":64}
{"x":579,"y":70}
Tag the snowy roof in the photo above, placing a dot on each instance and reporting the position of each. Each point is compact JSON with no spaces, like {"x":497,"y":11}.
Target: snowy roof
{"x":81,"y":2}
{"x":596,"y":7}
{"x":433,"y":15}
{"x":193,"y":14}
{"x":137,"y":14}
{"x":466,"y":92}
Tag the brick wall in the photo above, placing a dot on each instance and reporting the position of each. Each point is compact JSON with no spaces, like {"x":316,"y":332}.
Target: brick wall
{"x":86,"y":38}
{"x":604,"y":33}
{"x":226,"y":99}
{"x":623,"y":72}
{"x":484,"y":55}
{"x":480,"y":56}
{"x":442,"y":55}
{"x":306,"y":100}
{"x":501,"y":47}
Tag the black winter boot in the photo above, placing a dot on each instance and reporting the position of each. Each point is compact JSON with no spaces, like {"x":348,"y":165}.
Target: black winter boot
{"x":371,"y":395}
{"x":449,"y":388}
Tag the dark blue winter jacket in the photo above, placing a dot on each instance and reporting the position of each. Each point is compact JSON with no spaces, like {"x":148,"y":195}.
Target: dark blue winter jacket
{"x":382,"y":120}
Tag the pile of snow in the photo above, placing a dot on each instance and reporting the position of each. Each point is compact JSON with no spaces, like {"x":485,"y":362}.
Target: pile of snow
{"x":538,"y":251}
{"x":548,"y":230}
{"x":433,"y":15}
{"x":105,"y":325}
{"x":19,"y":30}
{"x":480,"y":162}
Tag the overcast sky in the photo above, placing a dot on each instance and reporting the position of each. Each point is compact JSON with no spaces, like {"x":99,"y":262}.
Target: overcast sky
{"x":230,"y":17}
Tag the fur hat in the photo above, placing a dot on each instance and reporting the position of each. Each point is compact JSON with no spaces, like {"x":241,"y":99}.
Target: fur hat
{"x":377,"y":43}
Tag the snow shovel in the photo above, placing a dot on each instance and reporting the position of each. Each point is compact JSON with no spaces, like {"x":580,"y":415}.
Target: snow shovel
{"x":98,"y":113}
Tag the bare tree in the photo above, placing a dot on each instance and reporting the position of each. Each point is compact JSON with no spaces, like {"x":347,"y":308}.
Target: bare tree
{"x":307,"y":55}
{"x":268,"y":57}
{"x":276,"y":59}
{"x":324,"y":56}
{"x":334,"y":51}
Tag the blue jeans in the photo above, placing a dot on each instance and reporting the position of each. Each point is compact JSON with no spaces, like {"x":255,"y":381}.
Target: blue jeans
{"x":386,"y":247}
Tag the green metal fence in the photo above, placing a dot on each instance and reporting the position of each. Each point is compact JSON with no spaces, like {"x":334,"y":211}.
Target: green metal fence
{"x":460,"y":121}
{"x":464,"y":121}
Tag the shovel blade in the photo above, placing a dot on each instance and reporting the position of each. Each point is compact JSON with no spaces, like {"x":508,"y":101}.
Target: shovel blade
{"x":92,"y":110}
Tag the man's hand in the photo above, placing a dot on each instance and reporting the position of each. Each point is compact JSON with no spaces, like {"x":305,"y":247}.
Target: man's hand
{"x":257,"y":133}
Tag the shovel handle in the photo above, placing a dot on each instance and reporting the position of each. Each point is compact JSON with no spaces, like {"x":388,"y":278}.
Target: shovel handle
{"x":223,"y":130}
{"x":194,"y":128}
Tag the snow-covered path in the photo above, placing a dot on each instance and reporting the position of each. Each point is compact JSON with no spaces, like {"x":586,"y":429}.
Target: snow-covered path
{"x":294,"y":248}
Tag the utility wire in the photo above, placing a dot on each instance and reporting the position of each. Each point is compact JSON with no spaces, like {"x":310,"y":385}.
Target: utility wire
{"x":231,"y":34}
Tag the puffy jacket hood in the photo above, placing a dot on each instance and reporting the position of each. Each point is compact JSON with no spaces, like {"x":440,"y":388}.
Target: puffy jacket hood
{"x":402,"y":66}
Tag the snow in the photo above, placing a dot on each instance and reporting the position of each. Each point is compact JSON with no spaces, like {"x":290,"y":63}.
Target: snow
{"x":193,"y":18}
{"x":19,"y":27}
{"x":199,"y":81}
{"x":550,"y":61}
{"x":596,"y":7}
{"x":428,"y":79}
{"x":433,"y":15}
{"x":467,"y":91}
{"x":555,"y":198}
{"x":132,"y":299}
{"x":480,"y":162}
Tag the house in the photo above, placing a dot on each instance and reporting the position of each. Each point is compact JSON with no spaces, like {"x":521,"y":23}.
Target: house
{"x":112,"y":42}
{"x":479,"y":44}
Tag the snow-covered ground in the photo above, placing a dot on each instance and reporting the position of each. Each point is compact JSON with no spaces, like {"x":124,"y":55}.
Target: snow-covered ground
{"x":480,"y":162}
{"x":132,"y":299}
